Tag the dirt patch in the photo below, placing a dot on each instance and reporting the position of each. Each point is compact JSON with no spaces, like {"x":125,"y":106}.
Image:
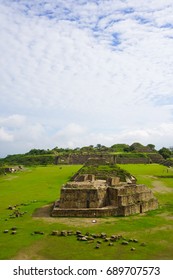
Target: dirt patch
{"x":77,"y":222}
{"x":44,"y":211}
{"x":166,"y":215}
{"x":9,"y":178}
{"x":30,"y":253}
{"x":163,"y":228}
{"x":160,"y":187}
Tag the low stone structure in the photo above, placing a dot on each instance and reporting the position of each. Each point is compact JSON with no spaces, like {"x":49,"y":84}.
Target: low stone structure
{"x":88,"y":197}
{"x":109,"y":158}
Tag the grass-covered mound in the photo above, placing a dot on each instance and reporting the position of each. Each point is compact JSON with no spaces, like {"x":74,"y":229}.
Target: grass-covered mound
{"x":105,"y":171}
{"x":28,"y":160}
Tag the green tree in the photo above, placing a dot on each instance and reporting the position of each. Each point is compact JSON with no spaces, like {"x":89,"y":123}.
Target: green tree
{"x":151,"y":147}
{"x":165,"y":152}
{"x":119,"y":148}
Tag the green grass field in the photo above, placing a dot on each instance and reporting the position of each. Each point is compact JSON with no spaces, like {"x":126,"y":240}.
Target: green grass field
{"x":37,"y":188}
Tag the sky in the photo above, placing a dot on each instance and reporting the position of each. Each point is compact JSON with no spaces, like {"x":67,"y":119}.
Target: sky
{"x":77,"y":73}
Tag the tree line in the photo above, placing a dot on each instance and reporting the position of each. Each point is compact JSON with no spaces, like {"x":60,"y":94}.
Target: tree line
{"x":44,"y":157}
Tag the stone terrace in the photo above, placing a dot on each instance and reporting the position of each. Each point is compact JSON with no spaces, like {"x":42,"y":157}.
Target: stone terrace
{"x":87,"y":197}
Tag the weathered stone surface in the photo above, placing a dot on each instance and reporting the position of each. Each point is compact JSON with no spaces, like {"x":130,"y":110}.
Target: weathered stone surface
{"x":87,"y":197}
{"x":112,"y":159}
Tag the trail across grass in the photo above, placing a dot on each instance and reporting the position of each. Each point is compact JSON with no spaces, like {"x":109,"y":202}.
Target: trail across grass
{"x":36,"y":187}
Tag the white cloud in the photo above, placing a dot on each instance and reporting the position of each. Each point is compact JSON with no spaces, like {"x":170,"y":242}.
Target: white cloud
{"x":13,"y":121}
{"x":160,"y":135}
{"x":5,"y":136}
{"x":69,"y":136}
{"x":75,"y":68}
{"x":74,"y":135}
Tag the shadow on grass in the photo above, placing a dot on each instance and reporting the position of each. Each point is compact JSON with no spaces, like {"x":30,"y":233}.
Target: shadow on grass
{"x":44,"y":211}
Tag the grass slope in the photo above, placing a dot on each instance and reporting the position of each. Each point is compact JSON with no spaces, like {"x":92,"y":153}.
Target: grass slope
{"x":33,"y":188}
{"x":39,"y":186}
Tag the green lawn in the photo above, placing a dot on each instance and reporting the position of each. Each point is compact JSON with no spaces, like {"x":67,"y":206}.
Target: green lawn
{"x":39,"y":186}
{"x":157,"y":177}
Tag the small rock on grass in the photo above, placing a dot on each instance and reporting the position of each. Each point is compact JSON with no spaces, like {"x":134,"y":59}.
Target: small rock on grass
{"x":132,"y":249}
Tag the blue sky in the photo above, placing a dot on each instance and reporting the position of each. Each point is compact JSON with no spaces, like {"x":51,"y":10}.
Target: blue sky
{"x":75,"y":73}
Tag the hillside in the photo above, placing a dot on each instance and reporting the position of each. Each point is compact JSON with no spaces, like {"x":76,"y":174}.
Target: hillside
{"x":116,"y":154}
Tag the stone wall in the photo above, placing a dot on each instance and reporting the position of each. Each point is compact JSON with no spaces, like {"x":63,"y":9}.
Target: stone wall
{"x":137,"y":208}
{"x":125,"y":200}
{"x":127,"y":160}
{"x":83,"y":198}
{"x":155,"y":158}
{"x":92,"y":213}
{"x":113,"y":197}
{"x":106,"y":158}
{"x":84,"y":177}
{"x":129,"y":210}
{"x":149,"y":205}
{"x":112,"y":181}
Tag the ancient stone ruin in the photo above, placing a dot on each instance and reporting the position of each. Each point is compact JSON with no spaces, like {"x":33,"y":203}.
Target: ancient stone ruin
{"x":87,"y":196}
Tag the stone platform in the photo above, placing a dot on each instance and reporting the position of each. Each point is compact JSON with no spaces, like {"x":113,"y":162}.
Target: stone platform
{"x":87,"y":197}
